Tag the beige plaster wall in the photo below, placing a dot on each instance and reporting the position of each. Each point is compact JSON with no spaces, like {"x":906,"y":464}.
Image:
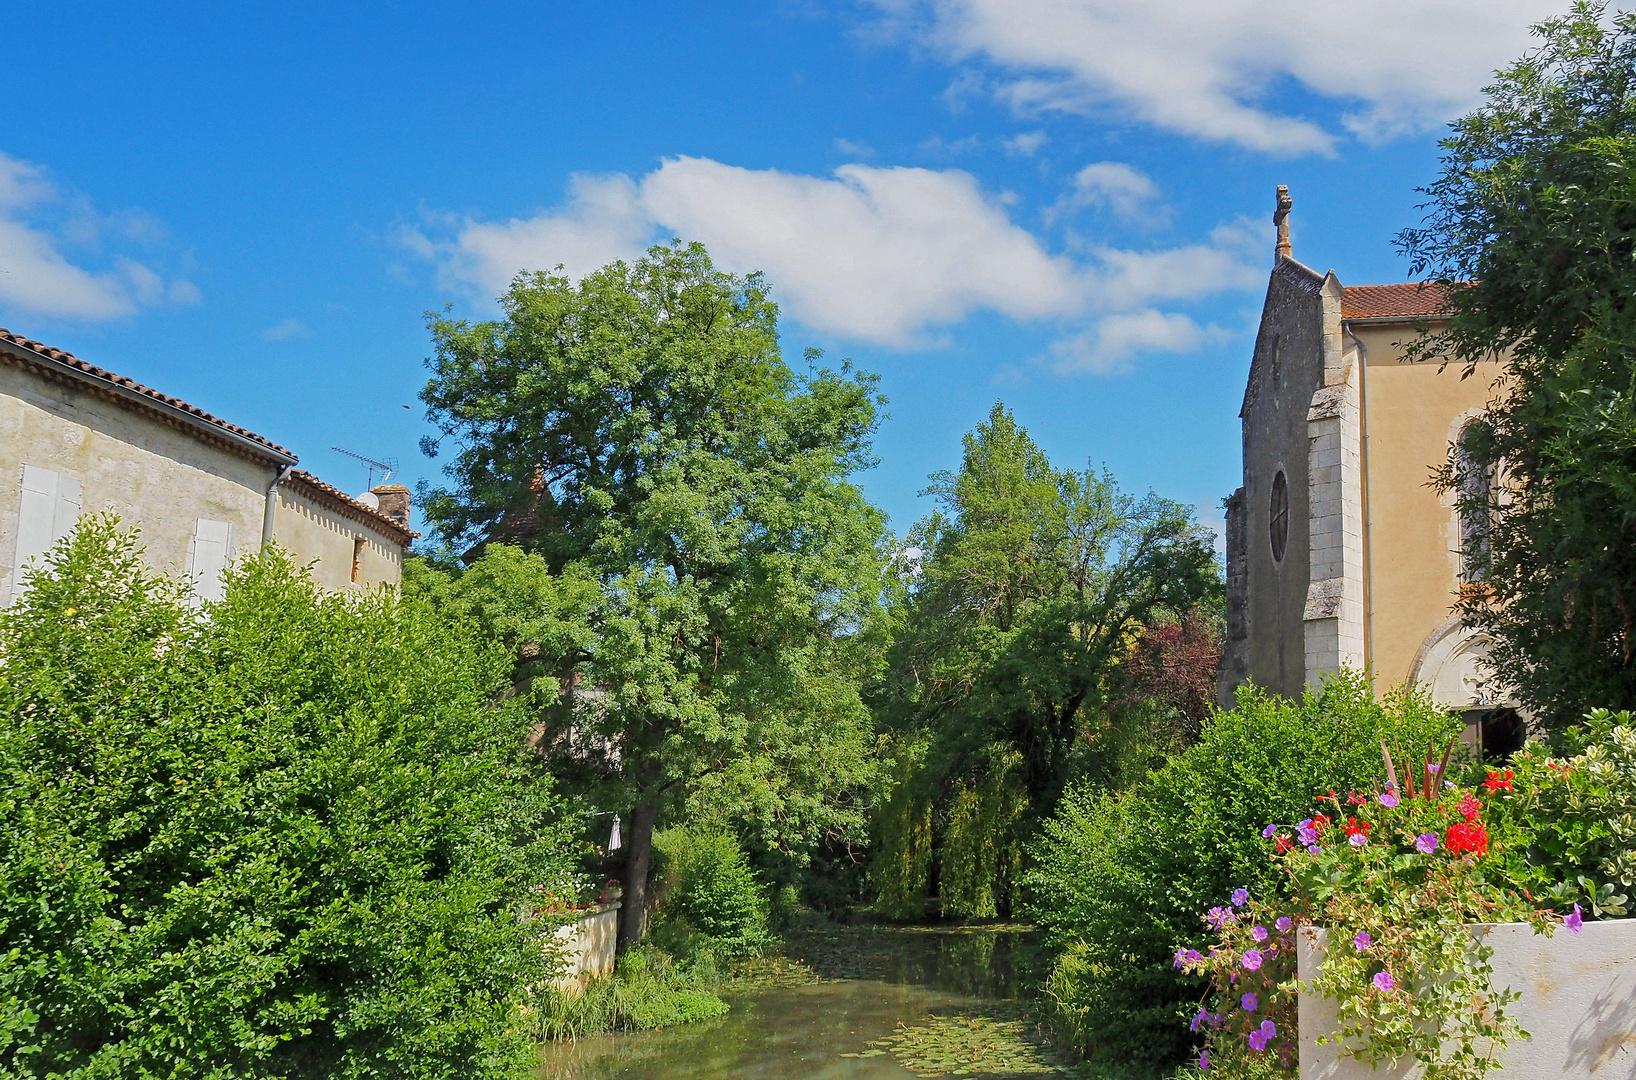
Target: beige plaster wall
{"x":1412,"y":412}
{"x":310,"y":531}
{"x":152,"y":475}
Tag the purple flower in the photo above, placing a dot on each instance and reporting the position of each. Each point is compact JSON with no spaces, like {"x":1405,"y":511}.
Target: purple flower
{"x":1433,"y":769}
{"x":1574,"y":921}
{"x":1283,"y":924}
{"x":1426,"y":843}
{"x":1357,"y":839}
{"x":1448,"y":785}
{"x":1259,"y":933}
{"x":1360,"y":941}
{"x":1219,"y":917}
{"x":1201,"y":1018}
{"x":1306,"y":832}
{"x":1239,"y":896}
{"x":1249,"y":1001}
{"x":1261,"y":1036}
{"x":1266,"y":834}
{"x":1204,"y":1060}
{"x":1388,"y":798}
{"x":1313,"y":849}
{"x":1188,"y":957}
{"x":1252,"y":959}
{"x":1383,"y":981}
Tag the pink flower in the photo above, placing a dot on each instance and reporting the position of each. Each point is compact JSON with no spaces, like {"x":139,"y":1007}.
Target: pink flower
{"x":1388,"y":798}
{"x":1426,"y":843}
{"x":1261,"y":1036}
{"x":1259,"y":933}
{"x":1283,"y":924}
{"x":1574,"y":920}
{"x":1383,"y":981}
{"x":1252,"y":959}
{"x":1360,"y":940}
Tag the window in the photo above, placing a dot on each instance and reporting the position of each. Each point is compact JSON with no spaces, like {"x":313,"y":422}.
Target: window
{"x":1278,"y":526}
{"x":209,"y":555}
{"x":49,"y":508}
{"x":1475,"y":491}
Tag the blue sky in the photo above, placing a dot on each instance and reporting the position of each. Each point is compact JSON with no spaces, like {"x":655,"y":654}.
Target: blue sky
{"x":1062,"y":204}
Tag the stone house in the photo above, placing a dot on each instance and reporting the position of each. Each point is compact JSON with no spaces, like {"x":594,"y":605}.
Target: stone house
{"x":77,"y":439}
{"x":1339,"y":553}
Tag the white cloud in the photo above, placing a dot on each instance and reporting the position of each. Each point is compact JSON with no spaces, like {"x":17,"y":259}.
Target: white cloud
{"x":284,"y":331}
{"x":1026,"y":144}
{"x":872,"y":254}
{"x":1203,"y":68}
{"x":1111,"y":185}
{"x":854,"y":149}
{"x":1113,"y":340}
{"x":37,"y":220}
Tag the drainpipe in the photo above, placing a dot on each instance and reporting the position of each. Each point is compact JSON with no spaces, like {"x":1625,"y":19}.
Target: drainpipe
{"x":272,"y":504}
{"x":1363,"y":455}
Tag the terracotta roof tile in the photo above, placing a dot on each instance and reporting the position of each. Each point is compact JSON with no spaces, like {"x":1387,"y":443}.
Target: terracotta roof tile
{"x":136,"y":388}
{"x":1404,"y":301}
{"x":340,"y":501}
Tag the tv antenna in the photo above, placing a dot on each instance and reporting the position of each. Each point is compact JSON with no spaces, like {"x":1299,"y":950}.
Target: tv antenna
{"x":387,"y":467}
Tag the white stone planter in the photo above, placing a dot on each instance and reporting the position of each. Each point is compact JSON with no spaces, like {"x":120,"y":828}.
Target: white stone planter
{"x":1578,"y":1004}
{"x":588,"y":945}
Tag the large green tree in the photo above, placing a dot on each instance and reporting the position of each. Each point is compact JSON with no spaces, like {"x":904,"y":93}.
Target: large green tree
{"x":1532,"y":225}
{"x":1034,"y":585}
{"x":639,"y":433}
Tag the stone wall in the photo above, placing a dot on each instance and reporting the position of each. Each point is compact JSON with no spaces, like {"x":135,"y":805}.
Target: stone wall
{"x":1578,"y":1003}
{"x":588,"y":945}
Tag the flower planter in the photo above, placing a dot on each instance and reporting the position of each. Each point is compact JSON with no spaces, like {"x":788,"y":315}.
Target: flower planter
{"x":1578,"y":1003}
{"x":587,"y":945}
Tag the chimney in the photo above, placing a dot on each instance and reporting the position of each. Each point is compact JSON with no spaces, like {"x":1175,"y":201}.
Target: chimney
{"x":1280,"y":218}
{"x":394,"y":502}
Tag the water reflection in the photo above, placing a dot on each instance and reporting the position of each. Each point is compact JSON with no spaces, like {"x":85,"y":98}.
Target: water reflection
{"x":887,"y":977}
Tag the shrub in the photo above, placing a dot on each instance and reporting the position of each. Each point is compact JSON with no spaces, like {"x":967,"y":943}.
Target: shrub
{"x":1119,"y":879}
{"x":707,"y":887}
{"x":284,"y":835}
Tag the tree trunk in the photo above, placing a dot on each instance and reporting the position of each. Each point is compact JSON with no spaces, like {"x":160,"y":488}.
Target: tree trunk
{"x":633,"y":915}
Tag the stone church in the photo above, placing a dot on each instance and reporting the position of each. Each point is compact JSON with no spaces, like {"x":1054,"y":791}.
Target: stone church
{"x":1339,"y":553}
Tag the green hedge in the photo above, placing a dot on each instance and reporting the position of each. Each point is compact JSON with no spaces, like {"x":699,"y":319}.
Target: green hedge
{"x":286,"y":835}
{"x":1119,"y":880}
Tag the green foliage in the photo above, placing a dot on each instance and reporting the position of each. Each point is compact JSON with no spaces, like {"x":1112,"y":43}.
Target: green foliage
{"x":1565,"y":827}
{"x":708,"y":888}
{"x":901,"y":863}
{"x":1533,"y":223}
{"x":639,"y":431}
{"x":287,"y":835}
{"x":648,"y":989}
{"x":1119,"y":878}
{"x":1032,"y":582}
{"x":981,"y":856}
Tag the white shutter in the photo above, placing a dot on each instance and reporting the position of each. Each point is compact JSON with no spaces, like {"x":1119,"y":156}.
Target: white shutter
{"x":50,"y":506}
{"x":212,"y":551}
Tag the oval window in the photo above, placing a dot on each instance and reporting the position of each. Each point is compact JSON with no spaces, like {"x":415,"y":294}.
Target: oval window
{"x":1278,"y":528}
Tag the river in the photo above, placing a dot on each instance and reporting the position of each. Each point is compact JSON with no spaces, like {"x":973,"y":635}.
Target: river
{"x":891,"y":1003}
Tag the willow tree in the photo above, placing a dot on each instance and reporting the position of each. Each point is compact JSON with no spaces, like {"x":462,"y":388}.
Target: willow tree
{"x":1532,"y":226}
{"x":639,"y":430}
{"x":1034,"y":587}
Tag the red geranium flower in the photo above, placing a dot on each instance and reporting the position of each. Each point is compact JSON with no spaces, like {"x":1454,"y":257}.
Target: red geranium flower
{"x":1498,"y":781}
{"x":1468,"y":836}
{"x":1469,"y":807}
